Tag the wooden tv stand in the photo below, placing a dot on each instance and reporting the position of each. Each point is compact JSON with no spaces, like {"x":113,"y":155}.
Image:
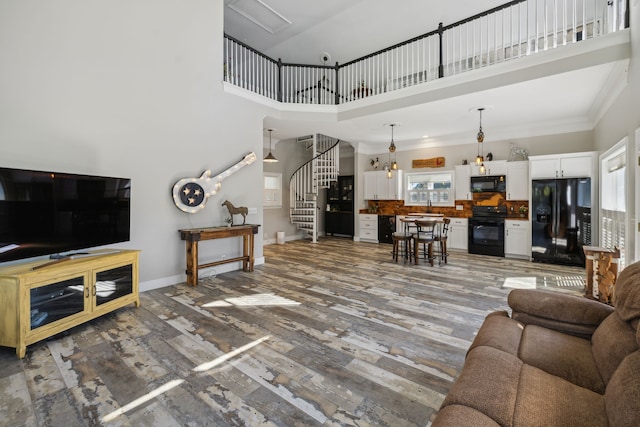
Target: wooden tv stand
{"x":41,"y":301}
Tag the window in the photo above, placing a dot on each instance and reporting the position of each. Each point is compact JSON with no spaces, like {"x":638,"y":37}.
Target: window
{"x":272,"y":190}
{"x":429,"y":189}
{"x":613,"y":199}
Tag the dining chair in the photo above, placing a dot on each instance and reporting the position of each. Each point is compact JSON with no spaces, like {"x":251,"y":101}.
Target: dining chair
{"x":425,"y":236}
{"x":403,"y":238}
{"x":442,"y":238}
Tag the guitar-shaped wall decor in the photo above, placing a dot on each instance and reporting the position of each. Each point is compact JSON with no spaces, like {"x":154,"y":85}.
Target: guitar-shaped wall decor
{"x":190,"y":194}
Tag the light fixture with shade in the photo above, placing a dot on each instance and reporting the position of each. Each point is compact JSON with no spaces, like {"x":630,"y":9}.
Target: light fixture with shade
{"x":480,"y":139}
{"x":392,"y":149}
{"x":270,"y":158}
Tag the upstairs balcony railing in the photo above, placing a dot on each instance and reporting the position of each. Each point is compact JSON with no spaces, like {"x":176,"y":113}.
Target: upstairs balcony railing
{"x":514,"y":30}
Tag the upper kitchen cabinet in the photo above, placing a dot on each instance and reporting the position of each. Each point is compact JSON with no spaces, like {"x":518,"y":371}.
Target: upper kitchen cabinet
{"x":518,"y":180}
{"x":574,"y":165}
{"x":378,"y":185}
{"x":496,"y":167}
{"x":462,"y":184}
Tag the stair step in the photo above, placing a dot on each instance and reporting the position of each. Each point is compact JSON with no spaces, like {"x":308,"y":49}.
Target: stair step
{"x":305,"y":227}
{"x":313,"y":177}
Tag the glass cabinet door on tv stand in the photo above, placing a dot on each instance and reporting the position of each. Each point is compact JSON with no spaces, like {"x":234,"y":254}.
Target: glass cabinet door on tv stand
{"x":52,"y":302}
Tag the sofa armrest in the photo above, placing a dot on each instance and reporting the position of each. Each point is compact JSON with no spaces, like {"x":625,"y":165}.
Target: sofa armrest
{"x":569,"y":314}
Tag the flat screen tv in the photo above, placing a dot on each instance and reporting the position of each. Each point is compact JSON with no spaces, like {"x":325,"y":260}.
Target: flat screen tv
{"x":48,"y":213}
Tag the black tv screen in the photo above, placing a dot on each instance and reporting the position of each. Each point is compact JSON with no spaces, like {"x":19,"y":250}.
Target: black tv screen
{"x":46,"y":213}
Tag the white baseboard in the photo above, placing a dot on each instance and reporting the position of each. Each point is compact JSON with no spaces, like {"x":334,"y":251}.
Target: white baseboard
{"x":161,"y":283}
{"x":286,"y":239}
{"x":149,"y":285}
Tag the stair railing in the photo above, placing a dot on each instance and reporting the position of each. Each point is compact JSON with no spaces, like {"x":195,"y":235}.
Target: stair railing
{"x":513,"y":30}
{"x":308,"y":179}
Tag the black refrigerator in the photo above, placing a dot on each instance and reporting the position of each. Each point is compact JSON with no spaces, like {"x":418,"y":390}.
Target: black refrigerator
{"x":560,"y":220}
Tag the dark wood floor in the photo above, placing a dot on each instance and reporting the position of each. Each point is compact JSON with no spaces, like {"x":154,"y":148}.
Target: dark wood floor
{"x":331,"y":334}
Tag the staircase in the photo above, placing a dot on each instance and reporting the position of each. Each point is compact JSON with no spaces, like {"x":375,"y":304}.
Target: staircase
{"x":307,"y":181}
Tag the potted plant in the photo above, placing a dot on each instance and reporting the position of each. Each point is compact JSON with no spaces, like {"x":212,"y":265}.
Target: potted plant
{"x":523,"y":210}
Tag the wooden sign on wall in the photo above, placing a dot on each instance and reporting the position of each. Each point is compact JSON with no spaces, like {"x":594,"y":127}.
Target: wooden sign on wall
{"x":436,"y":162}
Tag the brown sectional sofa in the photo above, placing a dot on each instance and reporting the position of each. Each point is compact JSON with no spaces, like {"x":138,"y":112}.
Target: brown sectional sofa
{"x":559,"y":360}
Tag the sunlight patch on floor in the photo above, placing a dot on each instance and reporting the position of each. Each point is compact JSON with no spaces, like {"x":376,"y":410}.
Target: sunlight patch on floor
{"x":520,"y":283}
{"x":570,"y":281}
{"x":171,"y":384}
{"x":252,"y":301}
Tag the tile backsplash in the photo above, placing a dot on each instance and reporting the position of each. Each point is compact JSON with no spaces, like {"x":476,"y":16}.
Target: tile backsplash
{"x":397,"y":207}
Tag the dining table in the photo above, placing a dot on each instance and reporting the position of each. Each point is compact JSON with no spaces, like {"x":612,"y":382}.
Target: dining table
{"x":417,"y":221}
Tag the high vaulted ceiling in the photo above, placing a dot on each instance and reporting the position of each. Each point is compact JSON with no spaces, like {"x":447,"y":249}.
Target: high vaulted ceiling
{"x":538,"y":97}
{"x":346,"y":29}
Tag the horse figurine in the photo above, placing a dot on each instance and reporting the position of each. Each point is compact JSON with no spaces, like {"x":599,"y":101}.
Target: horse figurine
{"x":236,"y":211}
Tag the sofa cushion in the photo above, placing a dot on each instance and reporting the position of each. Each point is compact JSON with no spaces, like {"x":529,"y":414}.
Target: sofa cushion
{"x":499,"y":331}
{"x":627,"y":293}
{"x":458,"y":415}
{"x":563,"y":355}
{"x":547,"y":400}
{"x":611,"y":343}
{"x":488,"y":383}
{"x":565,"y":313}
{"x":622,"y":398}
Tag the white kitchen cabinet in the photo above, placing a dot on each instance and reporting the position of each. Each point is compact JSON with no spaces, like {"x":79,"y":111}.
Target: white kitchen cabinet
{"x":462,"y":182}
{"x":517,"y":180}
{"x":370,"y":185}
{"x":368,"y":226}
{"x":576,"y":165}
{"x":516,"y":239}
{"x":378,"y":185}
{"x":496,"y":167}
{"x":458,"y":236}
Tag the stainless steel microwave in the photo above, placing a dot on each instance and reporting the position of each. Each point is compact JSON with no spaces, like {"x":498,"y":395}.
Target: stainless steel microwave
{"x":488,"y":184}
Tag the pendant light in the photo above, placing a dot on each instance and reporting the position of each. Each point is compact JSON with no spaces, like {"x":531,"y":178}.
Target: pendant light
{"x":392,"y":149}
{"x":480,"y":139}
{"x":270,"y":157}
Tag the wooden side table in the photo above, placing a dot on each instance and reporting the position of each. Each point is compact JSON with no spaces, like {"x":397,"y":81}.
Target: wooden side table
{"x":594,"y":253}
{"x":193,"y":235}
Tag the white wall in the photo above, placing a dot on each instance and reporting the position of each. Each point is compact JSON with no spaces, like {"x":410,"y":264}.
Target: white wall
{"x":501,"y":150}
{"x":130,"y":88}
{"x":621,"y":120}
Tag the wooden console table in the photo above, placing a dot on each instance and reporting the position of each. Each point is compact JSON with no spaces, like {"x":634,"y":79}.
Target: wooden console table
{"x":193,"y":235}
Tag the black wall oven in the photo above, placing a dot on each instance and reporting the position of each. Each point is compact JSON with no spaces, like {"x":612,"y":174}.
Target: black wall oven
{"x":486,"y":230}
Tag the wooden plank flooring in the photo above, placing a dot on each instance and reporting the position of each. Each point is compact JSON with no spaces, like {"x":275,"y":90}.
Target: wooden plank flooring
{"x":331,"y":334}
